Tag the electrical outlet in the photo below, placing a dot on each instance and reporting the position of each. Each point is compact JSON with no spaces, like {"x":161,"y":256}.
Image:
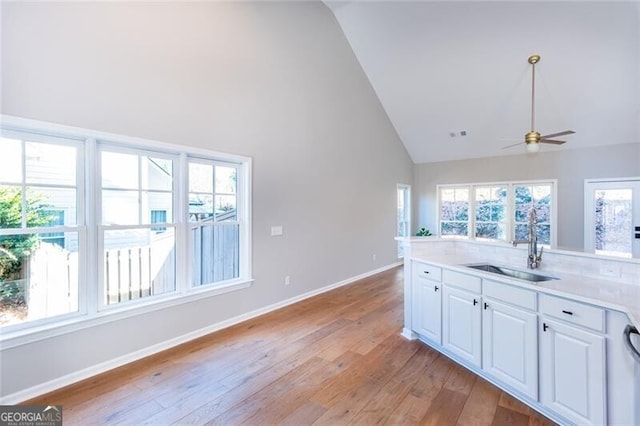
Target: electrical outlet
{"x":374,"y":257}
{"x":287,"y":280}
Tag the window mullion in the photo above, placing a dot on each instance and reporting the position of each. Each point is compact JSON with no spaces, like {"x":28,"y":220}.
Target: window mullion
{"x":471,"y":234}
{"x":23,"y":186}
{"x":181,"y":218}
{"x":93,"y":278}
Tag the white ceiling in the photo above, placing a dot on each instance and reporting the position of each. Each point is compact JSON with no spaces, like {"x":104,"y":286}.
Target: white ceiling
{"x":442,"y":67}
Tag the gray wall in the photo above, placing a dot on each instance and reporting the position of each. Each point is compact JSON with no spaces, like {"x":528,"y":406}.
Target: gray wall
{"x":570,"y":167}
{"x":274,"y":81}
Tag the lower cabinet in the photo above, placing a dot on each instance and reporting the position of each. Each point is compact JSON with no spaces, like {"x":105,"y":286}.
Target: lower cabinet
{"x":461,"y":324}
{"x":549,"y":349}
{"x":572,"y":372}
{"x":427,"y":309}
{"x":510,"y":346}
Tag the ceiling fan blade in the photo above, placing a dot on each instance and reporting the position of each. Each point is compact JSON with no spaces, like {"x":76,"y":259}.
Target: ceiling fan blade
{"x":511,"y":146}
{"x":551,"y":141}
{"x":551,"y":135}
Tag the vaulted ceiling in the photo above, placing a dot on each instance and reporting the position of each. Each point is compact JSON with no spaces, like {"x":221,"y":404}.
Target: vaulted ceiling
{"x":440,"y":68}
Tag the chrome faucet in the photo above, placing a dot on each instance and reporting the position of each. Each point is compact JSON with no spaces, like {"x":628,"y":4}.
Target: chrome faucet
{"x":534,"y":259}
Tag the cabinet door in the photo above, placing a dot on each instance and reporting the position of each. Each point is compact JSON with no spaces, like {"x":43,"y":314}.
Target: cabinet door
{"x":572,"y":372}
{"x":510,"y":346}
{"x":461,"y":324}
{"x":427,"y":310}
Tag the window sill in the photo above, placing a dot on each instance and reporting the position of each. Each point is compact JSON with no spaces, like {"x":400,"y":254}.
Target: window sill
{"x":33,"y":334}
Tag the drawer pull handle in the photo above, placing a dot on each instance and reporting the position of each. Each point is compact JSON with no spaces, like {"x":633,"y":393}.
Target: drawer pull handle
{"x":475,"y":302}
{"x":567,"y":312}
{"x":544,"y":326}
{"x":486,"y":306}
{"x":436,"y":288}
{"x":426,"y":272}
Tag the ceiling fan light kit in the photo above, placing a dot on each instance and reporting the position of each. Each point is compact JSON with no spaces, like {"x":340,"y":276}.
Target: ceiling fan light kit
{"x":533,"y":139}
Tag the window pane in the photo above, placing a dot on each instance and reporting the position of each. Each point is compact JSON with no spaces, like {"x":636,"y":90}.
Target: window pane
{"x":157,"y":201}
{"x":490,"y":212}
{"x":526,"y":198}
{"x":214,"y":253}
{"x":543,"y":234}
{"x":200,"y":178}
{"x":522,"y":232}
{"x":523,"y":200}
{"x":454,"y":204}
{"x":455,"y":228}
{"x":50,"y":164}
{"x":10,"y":207}
{"x":493,"y":231}
{"x":157,"y":173}
{"x":138,"y":263}
{"x":225,"y":207}
{"x":119,"y":170}
{"x":11,"y":161}
{"x":120,"y":207}
{"x":225,"y":180}
{"x":200,"y":207}
{"x":41,"y":200}
{"x":38,"y":279}
{"x":613,"y":222}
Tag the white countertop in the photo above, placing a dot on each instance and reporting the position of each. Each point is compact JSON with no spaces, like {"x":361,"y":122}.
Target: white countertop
{"x":608,"y":294}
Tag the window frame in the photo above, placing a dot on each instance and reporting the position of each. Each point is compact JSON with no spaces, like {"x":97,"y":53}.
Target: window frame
{"x":405,"y":190}
{"x":509,"y":213}
{"x":90,"y":229}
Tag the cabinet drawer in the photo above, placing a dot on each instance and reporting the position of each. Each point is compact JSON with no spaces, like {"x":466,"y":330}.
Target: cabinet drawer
{"x":510,"y":294}
{"x":574,"y":312}
{"x":427,"y":271}
{"x":467,"y":282}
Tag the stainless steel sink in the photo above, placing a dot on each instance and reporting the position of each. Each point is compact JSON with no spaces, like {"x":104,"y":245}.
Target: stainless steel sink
{"x":513,"y":273}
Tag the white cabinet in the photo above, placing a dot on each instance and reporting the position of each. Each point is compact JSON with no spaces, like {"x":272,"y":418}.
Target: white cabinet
{"x":572,"y":372}
{"x":427,"y":302}
{"x":461,"y":324}
{"x":510,"y":346}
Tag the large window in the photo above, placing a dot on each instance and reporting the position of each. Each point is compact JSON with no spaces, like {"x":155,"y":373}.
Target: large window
{"x":139,"y":256}
{"x":90,"y":222}
{"x":39,"y":243}
{"x":214,"y":226}
{"x":497,"y":211}
{"x":454,"y":211}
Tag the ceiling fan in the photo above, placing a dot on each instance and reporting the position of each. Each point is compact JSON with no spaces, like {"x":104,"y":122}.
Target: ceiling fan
{"x":533,"y":139}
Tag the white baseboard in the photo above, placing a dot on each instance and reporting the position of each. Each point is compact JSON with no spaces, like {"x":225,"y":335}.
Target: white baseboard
{"x":34,"y":391}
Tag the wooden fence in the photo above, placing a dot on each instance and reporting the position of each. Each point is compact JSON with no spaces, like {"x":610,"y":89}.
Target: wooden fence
{"x":51,"y":273}
{"x":137,"y":272}
{"x":51,"y":284}
{"x":214,"y":253}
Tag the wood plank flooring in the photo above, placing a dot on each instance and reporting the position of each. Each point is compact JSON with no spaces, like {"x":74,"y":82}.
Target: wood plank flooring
{"x":334,"y":359}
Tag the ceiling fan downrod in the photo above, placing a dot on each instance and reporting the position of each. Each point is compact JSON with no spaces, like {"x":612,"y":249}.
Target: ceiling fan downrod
{"x":533,"y":136}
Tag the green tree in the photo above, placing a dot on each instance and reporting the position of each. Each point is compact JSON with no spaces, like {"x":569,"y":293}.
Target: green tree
{"x":14,"y":248}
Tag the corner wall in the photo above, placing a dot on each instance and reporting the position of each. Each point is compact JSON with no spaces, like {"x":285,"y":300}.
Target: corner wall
{"x":276,"y":81}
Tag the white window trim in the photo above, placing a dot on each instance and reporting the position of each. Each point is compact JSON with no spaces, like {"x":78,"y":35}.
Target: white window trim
{"x":406,"y":188}
{"x":510,"y":223}
{"x":89,"y":313}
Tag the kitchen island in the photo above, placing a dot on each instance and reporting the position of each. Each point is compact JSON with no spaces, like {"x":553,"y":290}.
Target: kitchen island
{"x":557,"y":345}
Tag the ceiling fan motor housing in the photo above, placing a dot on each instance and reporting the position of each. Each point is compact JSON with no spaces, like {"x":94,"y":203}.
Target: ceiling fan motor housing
{"x":532,"y":137}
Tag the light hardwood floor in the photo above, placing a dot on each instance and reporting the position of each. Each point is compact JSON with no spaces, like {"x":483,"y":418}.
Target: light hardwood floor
{"x":337,"y":358}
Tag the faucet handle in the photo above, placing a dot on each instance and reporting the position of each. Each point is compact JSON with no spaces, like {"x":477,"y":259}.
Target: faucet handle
{"x":539,"y":256}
